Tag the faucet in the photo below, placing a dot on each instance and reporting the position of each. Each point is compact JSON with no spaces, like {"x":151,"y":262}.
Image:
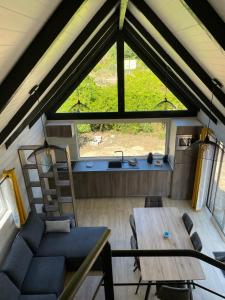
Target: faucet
{"x":122,"y":160}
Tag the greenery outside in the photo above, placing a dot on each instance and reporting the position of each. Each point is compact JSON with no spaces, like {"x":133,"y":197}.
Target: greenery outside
{"x":143,"y":89}
{"x":98,"y":91}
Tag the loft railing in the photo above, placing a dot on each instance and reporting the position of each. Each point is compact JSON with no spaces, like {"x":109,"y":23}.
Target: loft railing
{"x":103,"y":249}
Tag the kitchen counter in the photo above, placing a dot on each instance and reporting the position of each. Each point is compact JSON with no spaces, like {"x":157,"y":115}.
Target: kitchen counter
{"x":102,"y":166}
{"x":98,"y":180}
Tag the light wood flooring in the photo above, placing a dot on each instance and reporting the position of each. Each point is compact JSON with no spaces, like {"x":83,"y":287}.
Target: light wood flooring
{"x":114,"y":213}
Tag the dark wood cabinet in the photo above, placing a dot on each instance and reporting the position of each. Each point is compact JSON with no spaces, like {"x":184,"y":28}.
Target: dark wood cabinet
{"x":122,"y":184}
{"x":183,"y":161}
{"x":183,"y":181}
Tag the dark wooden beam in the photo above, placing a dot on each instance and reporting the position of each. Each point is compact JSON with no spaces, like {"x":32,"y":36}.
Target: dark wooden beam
{"x":54,"y":25}
{"x":150,"y":64}
{"x":75,"y":46}
{"x":157,"y":65}
{"x":180,"y":49}
{"x":123,"y":9}
{"x":161,"y":70}
{"x":110,"y":25}
{"x":69,"y":86}
{"x":204,"y":100}
{"x":125,"y":115}
{"x":209,"y":18}
{"x":173,"y":85}
{"x":120,"y":72}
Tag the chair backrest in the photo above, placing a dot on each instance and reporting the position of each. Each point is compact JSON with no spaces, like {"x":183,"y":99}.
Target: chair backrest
{"x":187,"y":222}
{"x":134,"y":246}
{"x":153,"y":201}
{"x":174,"y":293}
{"x":196,"y":242}
{"x":133,"y":243}
{"x":133,"y":226}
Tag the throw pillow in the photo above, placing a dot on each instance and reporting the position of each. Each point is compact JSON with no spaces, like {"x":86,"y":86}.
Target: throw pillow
{"x":57,"y":226}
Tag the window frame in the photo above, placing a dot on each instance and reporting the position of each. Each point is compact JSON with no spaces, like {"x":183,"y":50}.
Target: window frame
{"x":179,"y":94}
{"x":104,"y":121}
{"x":3,"y":204}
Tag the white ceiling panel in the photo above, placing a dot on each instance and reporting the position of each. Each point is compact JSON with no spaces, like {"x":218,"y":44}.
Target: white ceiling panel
{"x":31,"y":8}
{"x":20,"y":21}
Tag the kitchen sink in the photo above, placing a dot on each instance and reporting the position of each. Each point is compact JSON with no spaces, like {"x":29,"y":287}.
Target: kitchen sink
{"x":115,"y":164}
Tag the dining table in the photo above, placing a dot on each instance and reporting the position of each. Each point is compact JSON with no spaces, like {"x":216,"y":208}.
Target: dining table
{"x":151,"y":224}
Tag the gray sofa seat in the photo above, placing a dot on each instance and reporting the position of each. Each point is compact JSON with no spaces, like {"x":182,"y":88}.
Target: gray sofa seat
{"x":8,"y":291}
{"x":34,"y":275}
{"x":35,"y":264}
{"x":45,"y":276}
{"x":75,"y":245}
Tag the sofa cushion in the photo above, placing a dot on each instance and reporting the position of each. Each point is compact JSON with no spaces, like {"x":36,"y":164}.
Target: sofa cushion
{"x":18,"y":261}
{"x":33,"y":230}
{"x":57,"y":226}
{"x":75,"y":246}
{"x":38,"y":297}
{"x":45,"y":276}
{"x":59,"y":218}
{"x":8,"y":290}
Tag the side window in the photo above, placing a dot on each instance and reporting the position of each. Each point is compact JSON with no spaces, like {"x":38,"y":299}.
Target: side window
{"x":3,"y":205}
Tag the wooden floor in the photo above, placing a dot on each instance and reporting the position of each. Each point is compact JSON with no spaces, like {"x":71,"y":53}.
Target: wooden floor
{"x":114,"y":213}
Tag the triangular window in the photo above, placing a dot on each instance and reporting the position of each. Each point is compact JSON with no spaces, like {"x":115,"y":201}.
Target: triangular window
{"x":98,"y":91}
{"x":144,"y":91}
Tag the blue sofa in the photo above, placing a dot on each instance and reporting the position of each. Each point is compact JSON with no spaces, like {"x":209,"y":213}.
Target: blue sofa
{"x":35,"y":266}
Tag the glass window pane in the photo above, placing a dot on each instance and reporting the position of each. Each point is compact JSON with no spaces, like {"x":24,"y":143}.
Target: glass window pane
{"x":143,"y":90}
{"x":3,"y":207}
{"x":98,"y":91}
{"x":219,"y":200}
{"x":135,"y":139}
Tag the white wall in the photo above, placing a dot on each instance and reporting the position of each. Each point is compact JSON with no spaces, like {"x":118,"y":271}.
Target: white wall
{"x":9,"y":159}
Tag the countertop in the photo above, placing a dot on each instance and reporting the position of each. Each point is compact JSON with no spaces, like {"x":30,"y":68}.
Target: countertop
{"x":102,"y":166}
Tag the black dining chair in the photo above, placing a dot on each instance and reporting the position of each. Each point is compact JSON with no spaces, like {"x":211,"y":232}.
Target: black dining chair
{"x":153,"y":201}
{"x":174,"y":284}
{"x":196,"y":242}
{"x":133,"y":226}
{"x":137,"y":266}
{"x":187,"y":222}
{"x":134,"y":246}
{"x":174,"y":293}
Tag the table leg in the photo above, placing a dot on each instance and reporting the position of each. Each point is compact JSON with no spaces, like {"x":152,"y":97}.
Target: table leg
{"x":138,"y":286}
{"x":148,"y":290}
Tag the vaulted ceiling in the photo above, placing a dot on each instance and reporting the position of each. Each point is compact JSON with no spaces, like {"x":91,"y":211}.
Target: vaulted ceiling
{"x":55,"y":44}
